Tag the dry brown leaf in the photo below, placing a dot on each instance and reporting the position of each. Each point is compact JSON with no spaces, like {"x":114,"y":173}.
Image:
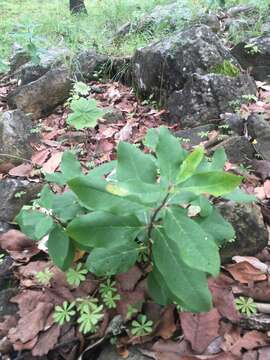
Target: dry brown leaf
{"x":251,"y":340}
{"x":245,"y":273}
{"x":46,"y":341}
{"x":52,"y":164}
{"x":40,"y":156}
{"x":128,"y":280}
{"x":171,"y":350}
{"x":23,"y":170}
{"x":200,"y":329}
{"x":18,"y":245}
{"x":133,"y":298}
{"x":27,"y":330}
{"x":166,"y":326}
{"x":223,"y":298}
{"x":266,"y":187}
{"x":253,"y":261}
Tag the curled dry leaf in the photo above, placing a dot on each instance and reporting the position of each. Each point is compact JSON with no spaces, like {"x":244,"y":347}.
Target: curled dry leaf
{"x":253,"y":261}
{"x":18,"y":245}
{"x":200,"y":329}
{"x":40,"y":156}
{"x":23,"y":170}
{"x":245,"y":273}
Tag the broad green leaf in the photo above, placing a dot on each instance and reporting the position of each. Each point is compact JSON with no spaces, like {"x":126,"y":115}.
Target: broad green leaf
{"x":239,"y":195}
{"x":57,"y":178}
{"x":60,"y":248}
{"x":158,"y":289}
{"x":70,"y":166}
{"x":136,"y":190}
{"x":46,"y":197}
{"x":190,"y":165}
{"x":217,"y":227}
{"x":92,"y":194}
{"x":101,"y":229}
{"x":102,"y":170}
{"x":112,"y":260}
{"x":215,"y":183}
{"x":219,"y":159}
{"x":182,"y":198}
{"x":186,"y":284}
{"x":85,"y":113}
{"x":65,"y":206}
{"x":34,"y":224}
{"x":196,"y":248}
{"x":170,"y":154}
{"x":133,"y":164}
{"x":151,"y":139}
{"x":204,"y":204}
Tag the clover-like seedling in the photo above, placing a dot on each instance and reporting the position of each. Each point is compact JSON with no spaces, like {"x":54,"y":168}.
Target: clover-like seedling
{"x":110,"y":299}
{"x":142,"y":326}
{"x":246,"y":306}
{"x":77,"y":275}
{"x":90,"y":317}
{"x":64,"y":313}
{"x":44,"y":277}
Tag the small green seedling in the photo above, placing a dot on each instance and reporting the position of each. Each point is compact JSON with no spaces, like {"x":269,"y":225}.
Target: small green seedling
{"x":19,"y":194}
{"x":252,"y":49}
{"x":77,"y":275}
{"x":142,"y":326}
{"x":246,"y":306}
{"x":44,"y":277}
{"x":109,"y":294}
{"x":2,"y":257}
{"x":250,"y":98}
{"x":63,"y":314}
{"x":90,"y":317}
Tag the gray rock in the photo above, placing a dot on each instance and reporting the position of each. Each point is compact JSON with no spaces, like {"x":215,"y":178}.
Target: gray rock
{"x":120,"y":69}
{"x":6,"y":307}
{"x":241,"y":9}
{"x":259,"y":130}
{"x":11,"y":205}
{"x":15,"y":136}
{"x":19,"y":58}
{"x":238,"y":149}
{"x":4,"y":227}
{"x":86,"y":64}
{"x":266,"y":28}
{"x":235,"y":123}
{"x":251,"y":233}
{"x":109,"y":353}
{"x":165,"y":66}
{"x":196,"y":135}
{"x":255,"y":58}
{"x":49,"y":59}
{"x":40,"y":97}
{"x":169,"y":15}
{"x":205,"y":97}
{"x":112,"y":116}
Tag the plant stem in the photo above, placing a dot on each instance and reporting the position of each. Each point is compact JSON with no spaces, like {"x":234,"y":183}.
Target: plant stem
{"x":154,"y":216}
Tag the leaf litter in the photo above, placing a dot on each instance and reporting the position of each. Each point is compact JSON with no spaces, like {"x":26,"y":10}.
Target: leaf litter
{"x":177,"y":335}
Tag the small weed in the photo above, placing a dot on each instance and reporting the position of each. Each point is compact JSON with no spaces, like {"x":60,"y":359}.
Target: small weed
{"x":252,"y":49}
{"x":19,"y":194}
{"x":44,"y":277}
{"x":63,"y":314}
{"x":227,"y":68}
{"x":2,"y":257}
{"x":246,"y":306}
{"x":77,"y":275}
{"x":142,"y":326}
